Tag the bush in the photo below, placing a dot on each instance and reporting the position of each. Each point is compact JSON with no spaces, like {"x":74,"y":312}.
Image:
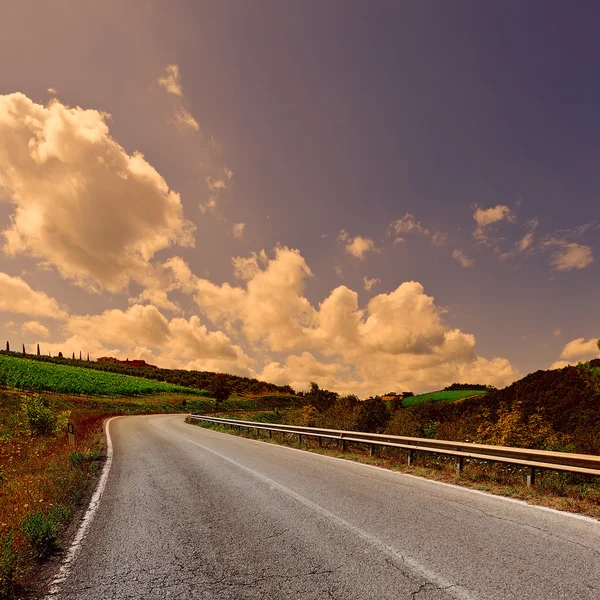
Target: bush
{"x":40,"y":418}
{"x":76,"y":457}
{"x":40,"y":531}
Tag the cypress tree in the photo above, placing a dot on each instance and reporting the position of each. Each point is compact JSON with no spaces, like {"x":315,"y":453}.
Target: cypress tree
{"x":38,"y":350}
{"x":80,"y":355}
{"x":7,"y":346}
{"x":24,"y":349}
{"x":73,"y":355}
{"x":88,"y":357}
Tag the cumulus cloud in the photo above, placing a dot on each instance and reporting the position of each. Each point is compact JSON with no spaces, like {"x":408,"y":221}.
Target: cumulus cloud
{"x":369,"y":283}
{"x":144,"y":332}
{"x":399,"y":340}
{"x":486,"y":217}
{"x":81,"y":202}
{"x":238,"y":230}
{"x":170,"y":81}
{"x":580,"y":348}
{"x":51,"y":91}
{"x":462,"y":258}
{"x":16,"y":296}
{"x":356,"y":246}
{"x":575,"y":351}
{"x":567,"y":256}
{"x":35,"y":328}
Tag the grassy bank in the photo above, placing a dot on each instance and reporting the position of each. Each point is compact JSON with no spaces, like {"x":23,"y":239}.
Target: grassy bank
{"x":562,"y":491}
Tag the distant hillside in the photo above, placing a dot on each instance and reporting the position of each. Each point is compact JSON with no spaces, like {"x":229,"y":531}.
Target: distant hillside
{"x":556,"y":409}
{"x":192,"y":379}
{"x":446,"y":395}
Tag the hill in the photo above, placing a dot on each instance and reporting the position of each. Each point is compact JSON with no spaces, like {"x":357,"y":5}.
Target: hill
{"x":191,"y":379}
{"x":442,"y":396}
{"x":24,"y":374}
{"x":555,"y":410}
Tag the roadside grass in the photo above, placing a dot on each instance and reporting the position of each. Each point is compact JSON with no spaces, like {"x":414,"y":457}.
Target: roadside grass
{"x":43,"y":480}
{"x":562,"y":491}
{"x":441,"y":396}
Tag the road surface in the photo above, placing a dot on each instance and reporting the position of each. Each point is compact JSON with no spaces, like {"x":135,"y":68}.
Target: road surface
{"x":192,"y":513}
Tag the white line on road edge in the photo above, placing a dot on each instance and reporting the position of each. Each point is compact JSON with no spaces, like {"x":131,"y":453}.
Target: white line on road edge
{"x":454,"y":590}
{"x":69,"y":559}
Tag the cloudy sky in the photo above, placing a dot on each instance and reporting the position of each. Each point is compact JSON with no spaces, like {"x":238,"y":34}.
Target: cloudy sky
{"x":375,"y":196}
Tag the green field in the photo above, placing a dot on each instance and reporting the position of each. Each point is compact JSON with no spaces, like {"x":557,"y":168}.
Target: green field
{"x":23,"y":374}
{"x":441,"y":396}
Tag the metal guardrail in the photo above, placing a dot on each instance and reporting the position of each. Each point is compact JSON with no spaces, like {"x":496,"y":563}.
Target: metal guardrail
{"x":587,"y":464}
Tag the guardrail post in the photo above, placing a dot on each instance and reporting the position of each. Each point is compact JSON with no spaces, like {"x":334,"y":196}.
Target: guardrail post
{"x":270,"y":433}
{"x":371,"y":449}
{"x":411,"y":457}
{"x":343,"y":445}
{"x":530,"y":476}
{"x":320,"y":441}
{"x":460,"y":463}
{"x":299,"y":438}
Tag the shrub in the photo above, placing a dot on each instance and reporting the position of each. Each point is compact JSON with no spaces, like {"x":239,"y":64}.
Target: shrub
{"x":76,"y":457}
{"x":39,"y":417}
{"x":40,"y":531}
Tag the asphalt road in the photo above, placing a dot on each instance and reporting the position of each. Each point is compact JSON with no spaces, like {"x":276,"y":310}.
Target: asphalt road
{"x":191,"y":513}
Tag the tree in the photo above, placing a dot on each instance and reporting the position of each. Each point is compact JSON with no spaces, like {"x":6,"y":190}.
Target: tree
{"x":80,"y":355}
{"x":598,"y":344}
{"x":24,"y":349}
{"x":60,"y":355}
{"x":320,"y":399}
{"x":38,"y":349}
{"x":219,"y":388}
{"x":73,"y":355}
{"x":7,"y":346}
{"x":371,"y":416}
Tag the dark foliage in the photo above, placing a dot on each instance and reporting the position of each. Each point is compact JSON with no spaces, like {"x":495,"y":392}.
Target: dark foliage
{"x":371,"y":416}
{"x":320,"y":399}
{"x":468,"y":386}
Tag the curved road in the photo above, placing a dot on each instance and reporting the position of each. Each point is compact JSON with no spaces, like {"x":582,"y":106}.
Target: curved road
{"x":191,"y":513}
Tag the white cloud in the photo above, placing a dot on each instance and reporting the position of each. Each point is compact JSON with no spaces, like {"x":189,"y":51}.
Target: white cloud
{"x":144,"y":332}
{"x":170,"y":81}
{"x":580,"y":348}
{"x":408,"y":224}
{"x":569,"y":255}
{"x":485,"y":217}
{"x":462,"y":258}
{"x":51,"y":91}
{"x":399,"y":340}
{"x":81,"y":202}
{"x":368,"y":284}
{"x":184,"y":120}
{"x":557,"y":332}
{"x":35,"y":328}
{"x":16,"y":296}
{"x":357,"y":246}
{"x":217,"y":185}
{"x":238,"y":229}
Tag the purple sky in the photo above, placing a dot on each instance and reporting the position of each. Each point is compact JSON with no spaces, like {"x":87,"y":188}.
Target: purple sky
{"x":363,"y":146}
